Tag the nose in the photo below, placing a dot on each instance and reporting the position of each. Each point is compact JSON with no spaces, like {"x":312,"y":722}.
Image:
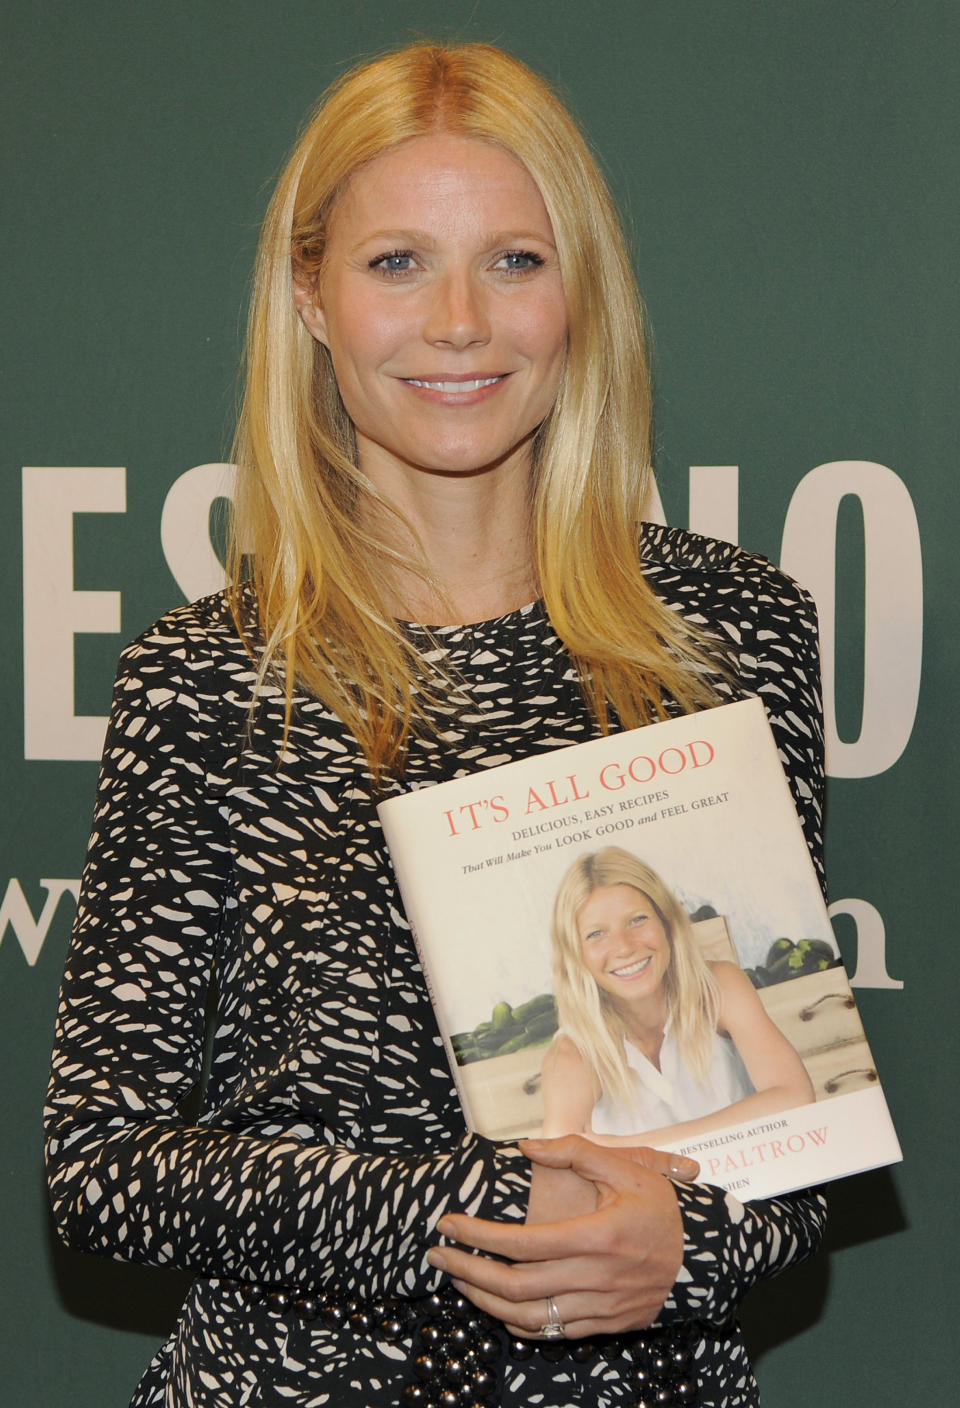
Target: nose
{"x":457,"y":317}
{"x":622,"y":942}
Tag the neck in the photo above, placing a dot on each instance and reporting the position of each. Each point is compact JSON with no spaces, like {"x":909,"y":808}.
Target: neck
{"x":645,"y":1025}
{"x":472,"y":532}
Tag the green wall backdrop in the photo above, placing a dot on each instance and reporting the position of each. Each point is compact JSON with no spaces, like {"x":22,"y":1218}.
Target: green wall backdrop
{"x":789,"y":173}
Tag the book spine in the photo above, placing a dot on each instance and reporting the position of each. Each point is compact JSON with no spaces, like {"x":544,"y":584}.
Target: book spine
{"x":442,"y":1025}
{"x":395,"y":844}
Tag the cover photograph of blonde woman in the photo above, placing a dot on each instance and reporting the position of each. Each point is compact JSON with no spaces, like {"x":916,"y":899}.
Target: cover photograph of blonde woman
{"x":633,"y":1014}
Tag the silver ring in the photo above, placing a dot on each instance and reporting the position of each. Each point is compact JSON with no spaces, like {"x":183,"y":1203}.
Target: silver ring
{"x":553,"y":1329}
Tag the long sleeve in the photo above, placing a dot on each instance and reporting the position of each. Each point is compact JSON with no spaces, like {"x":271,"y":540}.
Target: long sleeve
{"x":780,"y":662}
{"x":730,"y":1246}
{"x":271,"y":1184}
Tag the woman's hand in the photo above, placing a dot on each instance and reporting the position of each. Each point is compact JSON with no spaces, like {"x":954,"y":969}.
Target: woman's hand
{"x":603,"y":1238}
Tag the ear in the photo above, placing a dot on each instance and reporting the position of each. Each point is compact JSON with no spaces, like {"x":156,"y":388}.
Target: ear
{"x":311,"y":314}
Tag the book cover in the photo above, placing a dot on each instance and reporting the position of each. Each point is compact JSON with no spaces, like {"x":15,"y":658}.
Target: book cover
{"x":626,"y":938}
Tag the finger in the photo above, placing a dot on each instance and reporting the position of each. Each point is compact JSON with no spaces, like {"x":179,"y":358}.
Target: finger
{"x":518,"y":1241}
{"x":555,"y":1153}
{"x":659,"y":1161}
{"x":581,"y":1315}
{"x":579,"y":1154}
{"x":526,"y":1319}
{"x":587,"y":1285}
{"x":525,"y":1281}
{"x":597,"y":1162}
{"x":587,"y":1328}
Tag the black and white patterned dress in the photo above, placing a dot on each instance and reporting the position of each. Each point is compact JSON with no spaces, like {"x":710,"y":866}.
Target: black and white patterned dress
{"x":330,"y":1140}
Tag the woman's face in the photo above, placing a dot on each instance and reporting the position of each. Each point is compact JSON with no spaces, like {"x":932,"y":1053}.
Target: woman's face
{"x":623,"y":942}
{"x":442,"y":305}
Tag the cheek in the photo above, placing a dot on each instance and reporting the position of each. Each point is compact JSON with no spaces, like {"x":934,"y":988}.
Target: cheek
{"x":360,"y":331}
{"x":544,"y":329}
{"x":351,"y":353}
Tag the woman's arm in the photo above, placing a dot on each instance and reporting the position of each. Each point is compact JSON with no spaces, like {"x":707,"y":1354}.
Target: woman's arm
{"x":570,"y":1089}
{"x":776,"y":1071}
{"x":296,"y":1200}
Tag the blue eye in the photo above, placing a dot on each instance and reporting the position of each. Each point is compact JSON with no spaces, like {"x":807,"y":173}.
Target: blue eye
{"x":399,"y":262}
{"x":519,"y":261}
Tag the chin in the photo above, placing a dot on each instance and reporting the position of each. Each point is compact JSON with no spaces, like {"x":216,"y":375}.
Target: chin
{"x":465,"y":461}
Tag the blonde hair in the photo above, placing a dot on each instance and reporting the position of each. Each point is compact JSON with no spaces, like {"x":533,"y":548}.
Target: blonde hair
{"x":587,"y":1014}
{"x":320,"y":569}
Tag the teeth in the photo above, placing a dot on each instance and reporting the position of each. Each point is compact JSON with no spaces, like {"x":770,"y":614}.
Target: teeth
{"x":454,"y":387}
{"x":632,"y":968}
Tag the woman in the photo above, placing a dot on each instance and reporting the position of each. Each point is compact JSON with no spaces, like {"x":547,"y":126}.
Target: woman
{"x":445,"y":421}
{"x":653,"y":1039}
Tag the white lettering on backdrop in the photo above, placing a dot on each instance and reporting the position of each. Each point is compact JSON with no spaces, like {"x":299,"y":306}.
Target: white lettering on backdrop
{"x":53,"y":612}
{"x":715,"y":501}
{"x":15,"y":912}
{"x":184,"y":528}
{"x":893,"y":611}
{"x":871,"y":944}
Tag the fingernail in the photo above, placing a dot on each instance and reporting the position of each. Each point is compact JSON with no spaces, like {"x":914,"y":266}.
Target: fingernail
{"x":445,"y":1228}
{"x":533,"y":1143}
{"x":437,"y":1259}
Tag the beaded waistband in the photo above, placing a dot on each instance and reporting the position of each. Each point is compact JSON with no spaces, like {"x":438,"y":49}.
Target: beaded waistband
{"x":458,"y":1353}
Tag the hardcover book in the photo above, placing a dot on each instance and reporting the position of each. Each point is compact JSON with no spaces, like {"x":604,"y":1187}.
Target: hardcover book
{"x":626,"y":939}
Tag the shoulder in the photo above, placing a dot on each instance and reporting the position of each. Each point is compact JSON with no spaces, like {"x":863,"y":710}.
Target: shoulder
{"x":190,"y":665}
{"x":676,"y":560}
{"x":738,"y":998}
{"x":560,"y":1049}
{"x":568,"y":1079}
{"x":181,"y":703}
{"x":764,"y":621}
{"x":563,"y":1058}
{"x":190,"y":641}
{"x":730,"y":979}
{"x":766,"y":626}
{"x":204,"y":625}
{"x":664,"y":546}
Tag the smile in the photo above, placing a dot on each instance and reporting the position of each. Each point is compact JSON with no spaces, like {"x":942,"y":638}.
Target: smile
{"x":632,"y":968}
{"x":455,"y":388}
